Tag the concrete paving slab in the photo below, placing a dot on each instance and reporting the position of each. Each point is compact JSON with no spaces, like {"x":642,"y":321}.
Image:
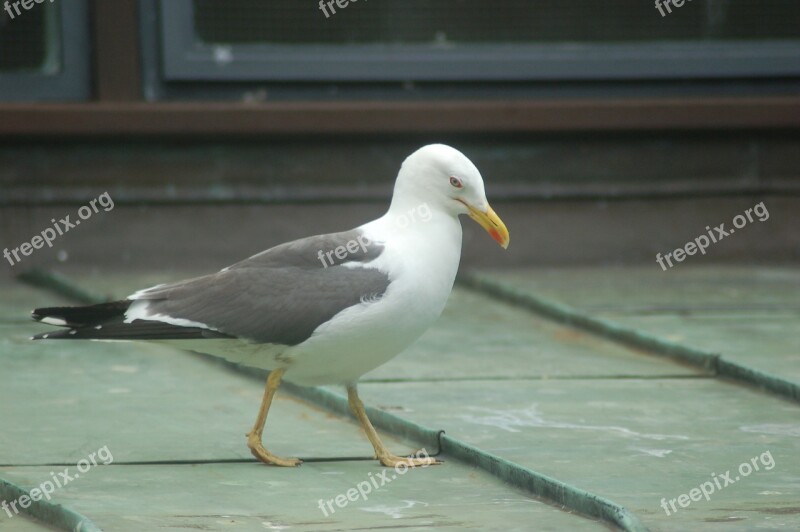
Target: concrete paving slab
{"x":543,"y":395}
{"x":750,"y":315}
{"x":62,"y":401}
{"x":641,"y":290}
{"x":769,"y":342}
{"x":19,"y":523}
{"x":634,"y":441}
{"x":253,"y":497}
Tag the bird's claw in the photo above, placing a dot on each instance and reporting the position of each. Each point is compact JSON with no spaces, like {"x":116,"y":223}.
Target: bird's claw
{"x":262,"y":454}
{"x":270,"y":459}
{"x":393,"y":461}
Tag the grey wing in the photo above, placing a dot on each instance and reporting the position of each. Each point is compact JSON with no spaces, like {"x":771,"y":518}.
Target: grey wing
{"x":279,"y":296}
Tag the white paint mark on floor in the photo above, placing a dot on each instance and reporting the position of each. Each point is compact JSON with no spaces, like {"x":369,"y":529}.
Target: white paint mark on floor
{"x":776,"y":429}
{"x":512,"y":420}
{"x":395,"y":512}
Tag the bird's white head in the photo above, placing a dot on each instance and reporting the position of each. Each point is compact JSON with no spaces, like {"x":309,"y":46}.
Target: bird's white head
{"x":446,"y":180}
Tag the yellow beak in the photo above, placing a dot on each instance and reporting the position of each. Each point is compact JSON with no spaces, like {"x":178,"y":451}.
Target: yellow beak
{"x":492,"y":223}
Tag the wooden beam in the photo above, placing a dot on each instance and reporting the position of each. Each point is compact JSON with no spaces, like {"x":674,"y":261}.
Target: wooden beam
{"x":473,"y":117}
{"x":117,"y":63}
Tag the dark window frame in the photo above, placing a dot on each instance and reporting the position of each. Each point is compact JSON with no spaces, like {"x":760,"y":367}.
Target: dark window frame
{"x":184,"y":59}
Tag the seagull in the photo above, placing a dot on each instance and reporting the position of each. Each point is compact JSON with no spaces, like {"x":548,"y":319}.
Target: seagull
{"x":320,"y":310}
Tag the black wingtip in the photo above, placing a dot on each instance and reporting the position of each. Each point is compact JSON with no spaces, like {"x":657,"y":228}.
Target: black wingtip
{"x":54,"y":313}
{"x":81,"y":316}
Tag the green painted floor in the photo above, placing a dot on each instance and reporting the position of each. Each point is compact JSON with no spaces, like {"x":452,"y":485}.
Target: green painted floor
{"x":612,"y":420}
{"x":750,"y":315}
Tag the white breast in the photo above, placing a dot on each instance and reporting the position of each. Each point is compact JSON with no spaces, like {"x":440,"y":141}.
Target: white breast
{"x":363,"y":337}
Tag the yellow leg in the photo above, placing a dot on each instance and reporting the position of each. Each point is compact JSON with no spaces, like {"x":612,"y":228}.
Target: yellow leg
{"x":254,"y":436}
{"x":381,"y":452}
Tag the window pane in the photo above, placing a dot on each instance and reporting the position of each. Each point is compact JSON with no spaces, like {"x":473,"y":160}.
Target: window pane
{"x":23,"y":40}
{"x":496,"y":21}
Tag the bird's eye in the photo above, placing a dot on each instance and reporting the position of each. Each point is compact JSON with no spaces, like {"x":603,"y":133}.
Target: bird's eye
{"x":456,"y":182}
